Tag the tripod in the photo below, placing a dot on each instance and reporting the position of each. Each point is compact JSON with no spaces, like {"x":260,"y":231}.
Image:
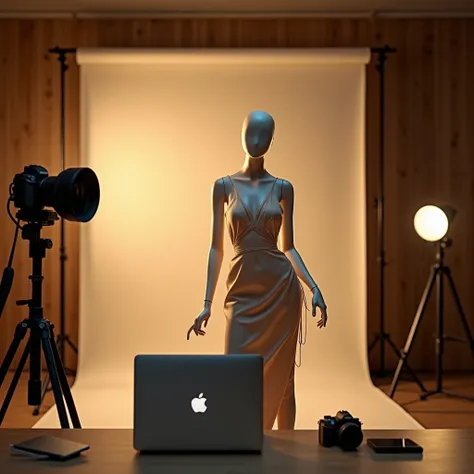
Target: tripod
{"x":41,"y":334}
{"x":439,"y":271}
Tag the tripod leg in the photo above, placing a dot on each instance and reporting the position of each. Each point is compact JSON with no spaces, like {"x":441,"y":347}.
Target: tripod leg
{"x":44,"y":389}
{"x":52,"y":371}
{"x":405,"y":352}
{"x":462,"y":315}
{"x":373,"y":343}
{"x":20,"y":332}
{"x":412,"y":373}
{"x":14,"y":382}
{"x":66,"y":390}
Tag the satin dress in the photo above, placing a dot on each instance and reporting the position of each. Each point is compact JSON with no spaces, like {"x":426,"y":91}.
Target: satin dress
{"x":263,"y":306}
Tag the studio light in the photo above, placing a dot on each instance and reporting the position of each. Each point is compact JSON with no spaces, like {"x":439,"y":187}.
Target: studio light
{"x":431,"y":223}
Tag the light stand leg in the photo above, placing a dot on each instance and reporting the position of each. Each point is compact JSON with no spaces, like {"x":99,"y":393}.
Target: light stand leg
{"x":409,"y":369}
{"x":405,"y":352}
{"x":459,"y":307}
{"x":71,"y":345}
{"x":63,"y":340}
{"x":386,"y":338}
{"x":440,"y":337}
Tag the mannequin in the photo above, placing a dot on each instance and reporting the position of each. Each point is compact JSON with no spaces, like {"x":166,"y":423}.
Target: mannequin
{"x":263,"y":306}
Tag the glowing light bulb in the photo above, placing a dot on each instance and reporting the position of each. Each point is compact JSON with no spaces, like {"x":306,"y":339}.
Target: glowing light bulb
{"x":431,"y":223}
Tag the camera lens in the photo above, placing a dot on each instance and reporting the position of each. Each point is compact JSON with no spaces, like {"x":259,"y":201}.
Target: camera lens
{"x":350,"y":436}
{"x":74,"y":194}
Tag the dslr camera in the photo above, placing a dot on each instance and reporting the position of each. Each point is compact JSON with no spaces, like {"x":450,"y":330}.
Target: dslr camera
{"x":342,"y":430}
{"x":74,"y":194}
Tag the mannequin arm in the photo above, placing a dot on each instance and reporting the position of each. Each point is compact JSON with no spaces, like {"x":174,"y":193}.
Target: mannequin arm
{"x":287,"y":238}
{"x":216,"y":252}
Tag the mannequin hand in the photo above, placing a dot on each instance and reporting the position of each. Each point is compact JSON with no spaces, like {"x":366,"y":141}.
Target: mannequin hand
{"x":318,"y":302}
{"x":198,"y":322}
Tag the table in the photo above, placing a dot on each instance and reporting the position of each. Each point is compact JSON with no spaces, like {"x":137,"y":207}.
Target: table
{"x":296,"y":452}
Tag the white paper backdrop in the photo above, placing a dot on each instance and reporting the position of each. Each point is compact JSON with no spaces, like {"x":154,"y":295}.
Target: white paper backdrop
{"x":159,"y":127}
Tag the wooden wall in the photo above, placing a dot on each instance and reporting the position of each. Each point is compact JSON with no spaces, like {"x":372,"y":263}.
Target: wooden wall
{"x":430,"y":145}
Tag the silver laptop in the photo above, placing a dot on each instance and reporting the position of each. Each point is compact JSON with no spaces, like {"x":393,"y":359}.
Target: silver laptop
{"x":190,"y":403}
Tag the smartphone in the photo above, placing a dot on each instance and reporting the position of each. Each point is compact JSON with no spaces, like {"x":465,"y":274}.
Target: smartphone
{"x":394,"y":446}
{"x":51,"y":447}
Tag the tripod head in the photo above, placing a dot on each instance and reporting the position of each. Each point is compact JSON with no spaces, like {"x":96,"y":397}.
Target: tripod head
{"x":41,"y":218}
{"x":442,"y":245}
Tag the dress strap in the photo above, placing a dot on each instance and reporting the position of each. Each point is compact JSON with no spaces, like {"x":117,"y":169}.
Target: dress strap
{"x":247,"y":211}
{"x":266,"y":200}
{"x":225,"y":190}
{"x":231,"y":181}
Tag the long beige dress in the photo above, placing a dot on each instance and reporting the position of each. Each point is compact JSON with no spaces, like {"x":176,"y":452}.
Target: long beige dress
{"x":263,"y":306}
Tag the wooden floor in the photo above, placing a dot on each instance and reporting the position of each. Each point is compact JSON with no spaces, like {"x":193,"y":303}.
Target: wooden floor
{"x":436,"y":412}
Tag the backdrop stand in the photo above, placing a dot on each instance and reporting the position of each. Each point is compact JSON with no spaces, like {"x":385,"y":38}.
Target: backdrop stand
{"x":382,"y":337}
{"x":63,"y":338}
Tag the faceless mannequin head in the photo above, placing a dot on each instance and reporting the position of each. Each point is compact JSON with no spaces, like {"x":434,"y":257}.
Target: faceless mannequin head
{"x":257,"y":133}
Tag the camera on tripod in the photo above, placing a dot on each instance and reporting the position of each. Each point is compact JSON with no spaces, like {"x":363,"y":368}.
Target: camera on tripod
{"x":342,"y":430}
{"x":73,"y":195}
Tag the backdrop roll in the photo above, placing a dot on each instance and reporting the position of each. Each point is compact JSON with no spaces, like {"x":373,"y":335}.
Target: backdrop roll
{"x":159,"y":127}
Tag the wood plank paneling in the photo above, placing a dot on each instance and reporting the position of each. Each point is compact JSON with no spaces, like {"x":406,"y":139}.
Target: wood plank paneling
{"x":429,"y":157}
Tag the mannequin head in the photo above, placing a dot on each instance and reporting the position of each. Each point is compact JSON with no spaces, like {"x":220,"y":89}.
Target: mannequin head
{"x":257,"y":133}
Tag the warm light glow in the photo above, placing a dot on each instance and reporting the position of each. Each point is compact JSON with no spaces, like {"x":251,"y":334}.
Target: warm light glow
{"x":158,"y":130}
{"x":431,"y":223}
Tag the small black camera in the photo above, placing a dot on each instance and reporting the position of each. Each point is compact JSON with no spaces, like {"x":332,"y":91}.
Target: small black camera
{"x":342,"y":430}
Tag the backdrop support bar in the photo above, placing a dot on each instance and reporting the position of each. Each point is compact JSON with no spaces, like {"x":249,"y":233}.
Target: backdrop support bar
{"x":382,"y":337}
{"x":63,"y":338}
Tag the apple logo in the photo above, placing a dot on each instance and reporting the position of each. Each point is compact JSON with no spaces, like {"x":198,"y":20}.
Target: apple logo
{"x":198,"y":404}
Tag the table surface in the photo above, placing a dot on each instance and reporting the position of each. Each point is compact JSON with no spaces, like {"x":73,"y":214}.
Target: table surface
{"x":298,"y":452}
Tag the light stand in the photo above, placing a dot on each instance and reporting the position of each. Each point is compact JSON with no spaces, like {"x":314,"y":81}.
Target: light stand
{"x":41,"y":335}
{"x":439,"y":272}
{"x":382,"y":336}
{"x":63,"y":338}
